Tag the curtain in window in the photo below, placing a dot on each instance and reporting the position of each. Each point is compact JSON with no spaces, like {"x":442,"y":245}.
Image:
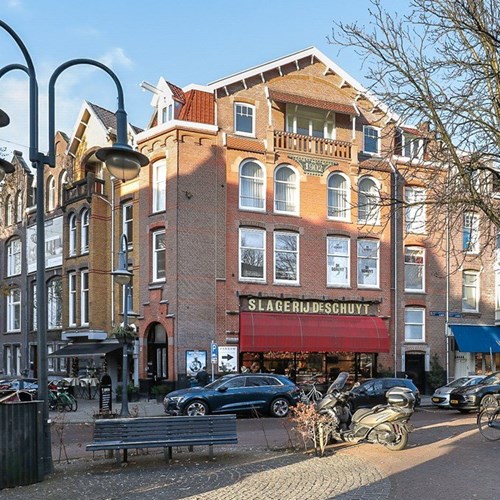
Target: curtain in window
{"x":337,"y":196}
{"x":285,"y":190}
{"x":251,"y":186}
{"x":368,"y":201}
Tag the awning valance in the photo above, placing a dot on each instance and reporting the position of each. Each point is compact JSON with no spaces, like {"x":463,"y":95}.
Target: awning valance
{"x":312,"y":333}
{"x":85,"y":349}
{"x":472,"y":338}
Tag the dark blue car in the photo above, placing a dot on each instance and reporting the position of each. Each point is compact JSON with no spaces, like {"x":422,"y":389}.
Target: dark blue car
{"x":262,"y":392}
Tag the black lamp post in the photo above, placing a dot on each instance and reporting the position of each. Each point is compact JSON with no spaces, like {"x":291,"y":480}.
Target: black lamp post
{"x":122,"y":161}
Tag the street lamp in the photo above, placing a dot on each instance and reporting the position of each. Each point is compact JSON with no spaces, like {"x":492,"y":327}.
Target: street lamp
{"x":123,"y":277}
{"x":120,"y":154}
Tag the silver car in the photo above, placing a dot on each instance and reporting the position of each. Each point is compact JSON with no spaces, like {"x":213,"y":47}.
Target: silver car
{"x":441,"y":396}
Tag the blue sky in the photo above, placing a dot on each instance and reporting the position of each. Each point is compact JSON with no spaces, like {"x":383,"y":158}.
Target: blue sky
{"x":188,"y":41}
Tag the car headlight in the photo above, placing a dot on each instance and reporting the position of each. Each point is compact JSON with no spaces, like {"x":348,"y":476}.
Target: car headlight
{"x":175,"y":399}
{"x":475,"y":390}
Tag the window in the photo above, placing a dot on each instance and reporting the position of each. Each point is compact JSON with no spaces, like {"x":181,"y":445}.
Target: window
{"x":84,"y":297}
{"x":371,"y":140}
{"x":85,"y":231}
{"x":338,"y":261}
{"x":72,"y":299}
{"x":244,"y":119}
{"x":470,"y":291}
{"x":14,"y":257}
{"x":159,"y":255}
{"x":368,"y":268}
{"x":252,"y":186}
{"x":12,"y":359}
{"x":9,"y":211}
{"x":368,"y":201}
{"x":54,"y":303}
{"x":127,"y":227}
{"x":19,"y":206}
{"x":309,"y":121}
{"x":286,"y":257}
{"x":63,"y":182}
{"x":414,"y":269}
{"x":414,"y":324}
{"x":286,"y":190}
{"x":72,"y":234}
{"x":415,"y":210}
{"x":409,"y":145}
{"x":471,"y":233}
{"x":51,"y":194}
{"x":14,"y":310}
{"x":159,"y":186}
{"x":338,"y":197}
{"x":34,"y":318}
{"x":252,"y":254}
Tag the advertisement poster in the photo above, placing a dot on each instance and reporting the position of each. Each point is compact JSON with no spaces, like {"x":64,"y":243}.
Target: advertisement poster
{"x":195,"y":361}
{"x":53,"y":244}
{"x":228,"y":359}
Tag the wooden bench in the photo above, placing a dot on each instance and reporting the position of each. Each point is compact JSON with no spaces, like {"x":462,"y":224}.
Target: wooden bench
{"x":163,"y":432}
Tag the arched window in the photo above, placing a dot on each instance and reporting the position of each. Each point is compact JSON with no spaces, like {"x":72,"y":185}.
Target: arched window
{"x":368,"y":201}
{"x":85,"y":218}
{"x":19,"y":206}
{"x":72,"y":234}
{"x":63,"y":182}
{"x":286,"y":192}
{"x":252,"y":185}
{"x":51,"y":194}
{"x":338,"y":196}
{"x":54,"y":303}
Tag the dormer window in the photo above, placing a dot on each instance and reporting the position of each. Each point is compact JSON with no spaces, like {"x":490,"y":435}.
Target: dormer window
{"x":244,"y":119}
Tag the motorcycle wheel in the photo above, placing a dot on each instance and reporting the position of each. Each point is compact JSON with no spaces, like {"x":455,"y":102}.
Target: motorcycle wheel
{"x":399,"y":444}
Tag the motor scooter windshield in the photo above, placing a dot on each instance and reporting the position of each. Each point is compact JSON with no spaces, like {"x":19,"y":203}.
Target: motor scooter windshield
{"x":339,"y":383}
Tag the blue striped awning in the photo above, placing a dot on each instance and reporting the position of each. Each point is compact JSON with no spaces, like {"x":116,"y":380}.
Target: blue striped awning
{"x":471,"y":338}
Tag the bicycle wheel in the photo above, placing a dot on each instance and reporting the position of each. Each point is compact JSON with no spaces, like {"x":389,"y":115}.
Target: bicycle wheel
{"x":489,"y":424}
{"x":74,"y":402}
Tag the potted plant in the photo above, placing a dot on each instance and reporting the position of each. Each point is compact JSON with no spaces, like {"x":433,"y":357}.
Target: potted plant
{"x":132,"y":393}
{"x":124,"y":335}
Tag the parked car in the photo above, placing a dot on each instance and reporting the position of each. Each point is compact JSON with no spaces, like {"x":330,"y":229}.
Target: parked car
{"x":466,"y":399}
{"x":243,"y":392}
{"x":441,"y":396}
{"x":372,"y":392}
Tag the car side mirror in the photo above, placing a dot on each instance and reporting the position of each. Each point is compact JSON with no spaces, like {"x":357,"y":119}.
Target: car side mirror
{"x":222,"y":389}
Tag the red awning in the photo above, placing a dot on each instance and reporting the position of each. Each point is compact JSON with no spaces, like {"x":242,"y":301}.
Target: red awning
{"x":312,"y":333}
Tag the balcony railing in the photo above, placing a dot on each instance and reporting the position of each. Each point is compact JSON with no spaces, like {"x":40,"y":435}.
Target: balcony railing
{"x":84,"y":188}
{"x":309,"y":145}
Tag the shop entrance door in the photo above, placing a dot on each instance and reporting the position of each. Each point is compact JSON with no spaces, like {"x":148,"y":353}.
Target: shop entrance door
{"x":415,"y":369}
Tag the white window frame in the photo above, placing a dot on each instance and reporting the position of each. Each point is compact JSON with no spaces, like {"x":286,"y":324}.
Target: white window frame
{"x":288,"y":186}
{"x":243,"y":249}
{"x":51,"y":194}
{"x":85,"y":231}
{"x":372,"y":212}
{"x":84,"y":297}
{"x":296,"y":113}
{"x":409,"y":337}
{"x":54,"y":303}
{"x":415,"y":214}
{"x":156,"y":250}
{"x":293,"y":253}
{"x":14,"y":310}
{"x":363,"y":269}
{"x":72,"y":234}
{"x":72,"y":299}
{"x":368,"y":129}
{"x":239,"y":109}
{"x":343,"y":196}
{"x":159,"y":185}
{"x":471,"y":224}
{"x":127,"y":222}
{"x":414,"y":258}
{"x":257,"y":183}
{"x":338,"y":261}
{"x":14,"y":252}
{"x":470,"y":286}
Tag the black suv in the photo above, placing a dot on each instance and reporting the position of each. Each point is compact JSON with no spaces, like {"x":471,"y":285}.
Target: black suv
{"x":372,"y":392}
{"x":466,"y":399}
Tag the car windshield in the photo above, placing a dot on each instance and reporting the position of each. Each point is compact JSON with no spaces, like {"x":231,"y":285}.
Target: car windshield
{"x":217,"y":383}
{"x":459,"y":382}
{"x":491,"y":379}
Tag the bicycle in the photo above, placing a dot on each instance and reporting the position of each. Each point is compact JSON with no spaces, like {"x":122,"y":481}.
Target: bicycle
{"x":488,"y":421}
{"x":313,"y":395}
{"x":61,"y":400}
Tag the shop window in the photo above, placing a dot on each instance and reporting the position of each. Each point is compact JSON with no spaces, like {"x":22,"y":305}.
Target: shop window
{"x":368,"y":201}
{"x":414,"y":324}
{"x":252,"y":186}
{"x":338,"y":261}
{"x":414,"y":269}
{"x":252,"y":254}
{"x":368,"y":263}
{"x":415,"y":210}
{"x":244,"y":119}
{"x":286,"y":190}
{"x":286,"y":257}
{"x":338,"y":197}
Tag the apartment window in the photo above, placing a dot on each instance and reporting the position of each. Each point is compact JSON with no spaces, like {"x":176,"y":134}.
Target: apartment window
{"x":414,"y":269}
{"x":470,"y":291}
{"x":371,"y":140}
{"x":414,"y":324}
{"x":368,"y":263}
{"x":252,"y":186}
{"x":51,"y":194}
{"x":84,"y":297}
{"x":244,"y":119}
{"x":14,"y":310}
{"x":286,"y":193}
{"x":159,"y":186}
{"x":14,"y":257}
{"x":286,"y":257}
{"x":159,"y":256}
{"x":409,"y":145}
{"x":9,"y":211}
{"x":415,"y":210}
{"x":368,"y":201}
{"x":85,"y":231}
{"x":72,"y":234}
{"x":338,"y":261}
{"x":19,"y":206}
{"x":54,"y":303}
{"x":63,"y":182}
{"x":72,"y":299}
{"x":12,"y":359}
{"x":471,"y":233}
{"x":252,"y":254}
{"x":309,"y":121}
{"x":338,"y":197}
{"x":127,"y":227}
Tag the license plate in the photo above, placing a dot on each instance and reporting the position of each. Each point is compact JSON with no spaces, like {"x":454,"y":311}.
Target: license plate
{"x":435,"y":400}
{"x":454,"y":401}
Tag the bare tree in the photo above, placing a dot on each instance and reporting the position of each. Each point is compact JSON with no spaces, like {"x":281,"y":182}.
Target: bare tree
{"x":439,"y":66}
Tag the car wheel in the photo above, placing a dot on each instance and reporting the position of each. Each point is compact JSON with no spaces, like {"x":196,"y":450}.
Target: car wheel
{"x":195,"y":408}
{"x":279,"y":407}
{"x":488,"y":401}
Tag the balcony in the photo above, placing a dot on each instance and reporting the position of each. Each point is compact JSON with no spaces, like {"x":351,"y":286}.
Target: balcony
{"x":84,"y":188}
{"x":309,"y":145}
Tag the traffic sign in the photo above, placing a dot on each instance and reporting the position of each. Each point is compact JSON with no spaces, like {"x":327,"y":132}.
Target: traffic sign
{"x":214,"y":349}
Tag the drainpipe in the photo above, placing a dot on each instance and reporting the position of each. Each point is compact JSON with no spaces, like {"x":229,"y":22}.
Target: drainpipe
{"x":395,"y":222}
{"x":447,"y":299}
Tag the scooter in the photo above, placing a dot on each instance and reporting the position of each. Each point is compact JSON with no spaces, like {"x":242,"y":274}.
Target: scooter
{"x":387,"y":425}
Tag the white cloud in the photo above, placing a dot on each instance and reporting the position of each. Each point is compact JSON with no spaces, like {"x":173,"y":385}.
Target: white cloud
{"x":116,"y":57}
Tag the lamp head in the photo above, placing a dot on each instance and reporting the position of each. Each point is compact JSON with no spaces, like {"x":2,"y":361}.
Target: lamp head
{"x":5,"y":168}
{"x":122,"y":161}
{"x":122,"y":276}
{"x":4,"y":118}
